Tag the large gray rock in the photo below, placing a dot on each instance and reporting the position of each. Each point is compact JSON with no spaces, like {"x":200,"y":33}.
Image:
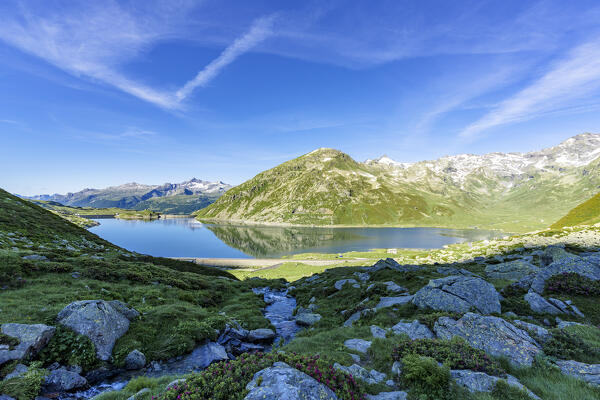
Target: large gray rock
{"x":129,"y":312}
{"x":32,"y":338}
{"x":511,"y":270}
{"x":370,"y":377}
{"x":414,"y":330}
{"x":385,"y":302}
{"x":540,"y":305}
{"x":493,"y":335}
{"x":459,"y":294}
{"x":6,"y":397}
{"x":589,"y":373}
{"x":135,"y":360}
{"x":99,"y":320}
{"x":62,"y":380}
{"x":261,"y":335}
{"x":307,"y":319}
{"x":480,"y":382}
{"x":204,"y":355}
{"x":359,"y":345}
{"x":283,"y":382}
{"x":397,"y":395}
{"x":553,"y":254}
{"x":566,"y":264}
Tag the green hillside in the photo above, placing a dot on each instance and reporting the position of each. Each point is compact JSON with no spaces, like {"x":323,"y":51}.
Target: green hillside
{"x":327,"y":187}
{"x":182,"y":303}
{"x":587,"y":213}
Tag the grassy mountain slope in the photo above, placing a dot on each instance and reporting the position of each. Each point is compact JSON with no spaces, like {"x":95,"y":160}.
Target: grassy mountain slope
{"x":587,"y":213}
{"x":180,"y":301}
{"x":327,"y":187}
{"x":179,"y":204}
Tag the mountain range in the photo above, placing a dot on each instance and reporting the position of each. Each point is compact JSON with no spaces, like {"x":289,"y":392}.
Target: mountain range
{"x":508,"y":191}
{"x":173,"y":198}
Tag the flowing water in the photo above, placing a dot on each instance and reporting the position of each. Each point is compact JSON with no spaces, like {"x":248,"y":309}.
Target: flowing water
{"x":279,"y":311}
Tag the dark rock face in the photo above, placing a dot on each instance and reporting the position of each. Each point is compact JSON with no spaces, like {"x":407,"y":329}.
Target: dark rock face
{"x":283,"y":382}
{"x":493,"y":335}
{"x":99,"y":320}
{"x":32,"y":338}
{"x":459,"y":294}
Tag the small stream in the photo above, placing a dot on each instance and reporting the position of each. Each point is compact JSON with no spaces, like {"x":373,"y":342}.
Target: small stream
{"x":279,"y":311}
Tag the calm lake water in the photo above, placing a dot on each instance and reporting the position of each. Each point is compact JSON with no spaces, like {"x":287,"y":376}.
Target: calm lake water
{"x":186,"y":237}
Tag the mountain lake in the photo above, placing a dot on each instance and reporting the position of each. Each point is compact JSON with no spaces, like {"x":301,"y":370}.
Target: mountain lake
{"x":187,"y":237}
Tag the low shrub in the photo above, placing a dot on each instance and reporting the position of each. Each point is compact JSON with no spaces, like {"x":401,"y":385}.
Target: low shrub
{"x":572,"y":284}
{"x":568,"y":345}
{"x":227,"y":380}
{"x":425,"y":379}
{"x":455,"y":353}
{"x":69,"y":348}
{"x":504,"y":391}
{"x":27,"y":386}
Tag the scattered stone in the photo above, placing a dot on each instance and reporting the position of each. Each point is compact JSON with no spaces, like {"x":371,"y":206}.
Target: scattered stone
{"x":359,"y":345}
{"x":414,"y":330}
{"x":204,"y":355}
{"x":560,"y":324}
{"x":540,"y":305}
{"x":388,"y":263}
{"x":511,"y":271}
{"x":378,"y":332}
{"x":385,"y":302}
{"x":397,"y":368}
{"x":135,"y":360}
{"x":393,"y":287}
{"x":32,"y":338}
{"x":340,"y":284}
{"x":398,"y":395}
{"x":62,"y":380}
{"x":355,"y":357}
{"x":19,"y":370}
{"x":355,"y":317}
{"x":493,"y":335}
{"x":362,"y":276}
{"x":459,"y":294}
{"x":35,"y":257}
{"x":307,"y":319}
{"x":261,"y":335}
{"x":286,"y":383}
{"x":589,"y":373}
{"x":99,"y":320}
{"x":370,"y":377}
{"x":481,"y":382}
{"x":129,"y":312}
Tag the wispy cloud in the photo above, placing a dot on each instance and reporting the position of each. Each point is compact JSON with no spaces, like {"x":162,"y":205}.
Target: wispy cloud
{"x":95,"y":40}
{"x":260,"y":30}
{"x":9,"y":121}
{"x":572,"y":78}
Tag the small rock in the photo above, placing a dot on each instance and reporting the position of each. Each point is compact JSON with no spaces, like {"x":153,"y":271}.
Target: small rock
{"x":174,"y":384}
{"x":378,"y":332}
{"x":205,"y":355}
{"x":139,"y":394}
{"x":261,"y":335}
{"x":35,"y":257}
{"x":19,"y":370}
{"x":589,"y":373}
{"x":307,"y":319}
{"x":414,"y":330}
{"x":540,"y":305}
{"x":340,"y":284}
{"x":398,"y":395}
{"x":61,"y":380}
{"x":393,"y":301}
{"x":370,"y":377}
{"x":362,"y":276}
{"x":359,"y":345}
{"x":135,"y":360}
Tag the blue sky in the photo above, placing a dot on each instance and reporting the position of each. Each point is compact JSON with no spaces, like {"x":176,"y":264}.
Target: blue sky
{"x":105,"y":92}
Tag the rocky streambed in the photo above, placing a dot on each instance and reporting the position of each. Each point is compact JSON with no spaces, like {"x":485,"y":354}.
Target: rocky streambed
{"x":232,"y":342}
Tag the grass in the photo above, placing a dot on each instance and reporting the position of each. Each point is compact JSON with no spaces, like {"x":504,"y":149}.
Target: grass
{"x":587,"y":213}
{"x":181,"y":303}
{"x":156,"y":386}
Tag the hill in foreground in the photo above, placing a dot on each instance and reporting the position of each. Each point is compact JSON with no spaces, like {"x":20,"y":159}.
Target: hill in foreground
{"x":587,"y":213}
{"x":512,"y":192}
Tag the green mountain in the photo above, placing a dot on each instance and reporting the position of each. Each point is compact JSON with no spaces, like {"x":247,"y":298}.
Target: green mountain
{"x":587,"y":213}
{"x":512,"y":192}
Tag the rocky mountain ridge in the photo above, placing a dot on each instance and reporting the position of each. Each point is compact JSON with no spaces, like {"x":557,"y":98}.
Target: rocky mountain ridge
{"x":513,"y":192}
